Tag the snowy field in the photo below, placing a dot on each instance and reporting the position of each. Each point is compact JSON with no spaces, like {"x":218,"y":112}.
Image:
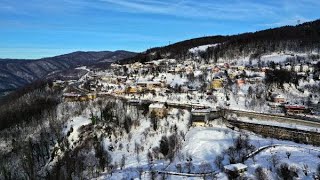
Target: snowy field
{"x":305,"y":160}
{"x":203,"y":144}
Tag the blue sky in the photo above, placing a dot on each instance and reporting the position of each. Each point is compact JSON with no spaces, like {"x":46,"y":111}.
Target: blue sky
{"x":42,"y":28}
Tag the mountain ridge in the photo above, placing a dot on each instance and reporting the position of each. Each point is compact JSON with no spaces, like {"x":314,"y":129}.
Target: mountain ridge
{"x":15,"y":73}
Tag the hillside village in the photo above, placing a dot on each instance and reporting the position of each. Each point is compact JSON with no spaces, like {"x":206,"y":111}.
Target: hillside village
{"x":205,"y":90}
{"x":248,"y":93}
{"x":245,"y":84}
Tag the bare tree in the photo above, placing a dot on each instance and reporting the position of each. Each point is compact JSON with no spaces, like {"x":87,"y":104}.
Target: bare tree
{"x":179,"y":167}
{"x":305,"y":169}
{"x":261,"y":173}
{"x":205,"y":167}
{"x":123,"y":161}
{"x":288,"y":154}
{"x":286,"y":172}
{"x":218,"y":161}
{"x":274,"y":159}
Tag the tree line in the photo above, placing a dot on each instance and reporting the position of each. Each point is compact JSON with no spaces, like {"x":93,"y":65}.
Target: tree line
{"x":301,"y":38}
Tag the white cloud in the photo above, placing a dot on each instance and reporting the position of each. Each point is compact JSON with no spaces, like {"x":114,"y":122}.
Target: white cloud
{"x":186,"y":8}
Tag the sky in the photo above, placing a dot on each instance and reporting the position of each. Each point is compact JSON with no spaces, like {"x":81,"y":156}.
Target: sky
{"x":41,"y":28}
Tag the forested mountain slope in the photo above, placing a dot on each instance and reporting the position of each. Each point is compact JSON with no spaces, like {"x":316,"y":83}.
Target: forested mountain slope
{"x":301,"y":38}
{"x":15,"y":73}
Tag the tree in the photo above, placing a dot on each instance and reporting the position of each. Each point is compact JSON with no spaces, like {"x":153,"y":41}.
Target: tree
{"x":218,"y":161}
{"x":154,"y":120}
{"x":123,"y":161}
{"x":164,"y":146}
{"x":286,"y":172}
{"x":28,"y":161}
{"x":150,"y":158}
{"x":94,"y":119}
{"x":305,"y":169}
{"x":99,"y":150}
{"x":5,"y":172}
{"x":127,"y":124}
{"x":179,"y":168}
{"x":205,"y":167}
{"x":288,"y":154}
{"x":104,"y":158}
{"x":189,"y":164}
{"x":318,"y":171}
{"x":261,"y":174}
{"x":274,"y":159}
{"x":279,"y":77}
{"x":173,"y":143}
{"x":250,"y":91}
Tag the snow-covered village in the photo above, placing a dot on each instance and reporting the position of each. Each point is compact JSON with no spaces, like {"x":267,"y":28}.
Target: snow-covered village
{"x":197,"y":119}
{"x":157,"y":90}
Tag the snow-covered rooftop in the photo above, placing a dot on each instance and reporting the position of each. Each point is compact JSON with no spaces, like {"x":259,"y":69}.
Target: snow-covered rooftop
{"x":148,"y":82}
{"x":156,"y":105}
{"x":235,"y":167}
{"x":71,"y":95}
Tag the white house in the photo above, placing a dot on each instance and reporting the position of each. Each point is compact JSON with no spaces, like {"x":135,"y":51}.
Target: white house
{"x":235,"y":169}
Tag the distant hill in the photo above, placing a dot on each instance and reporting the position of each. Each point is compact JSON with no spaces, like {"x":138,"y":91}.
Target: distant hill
{"x":301,"y":38}
{"x":15,"y":73}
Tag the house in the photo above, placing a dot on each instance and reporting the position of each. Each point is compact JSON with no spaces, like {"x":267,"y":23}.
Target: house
{"x":115,"y":66}
{"x":159,"y":109}
{"x":189,"y":69}
{"x":87,"y":97}
{"x":277,"y":98}
{"x":233,"y":67}
{"x":216,"y":69}
{"x":58,"y":83}
{"x":241,"y":68}
{"x":122,"y":79}
{"x":131,"y":89}
{"x":311,"y":69}
{"x":91,"y":96}
{"x":198,"y":122}
{"x":297,"y":68}
{"x":102,"y":94}
{"x":275,"y":107}
{"x":200,"y":116}
{"x":235,"y":170}
{"x":226,"y":65}
{"x":240,"y":82}
{"x":254,"y":80}
{"x":71,"y":97}
{"x":288,"y":67}
{"x":106,"y":77}
{"x":171,"y":70}
{"x":265,"y":69}
{"x":217,"y":83}
{"x":178,"y":69}
{"x":296,"y":109}
{"x":149,"y":85}
{"x":136,"y":65}
{"x":119,"y":91}
{"x":305,"y":68}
